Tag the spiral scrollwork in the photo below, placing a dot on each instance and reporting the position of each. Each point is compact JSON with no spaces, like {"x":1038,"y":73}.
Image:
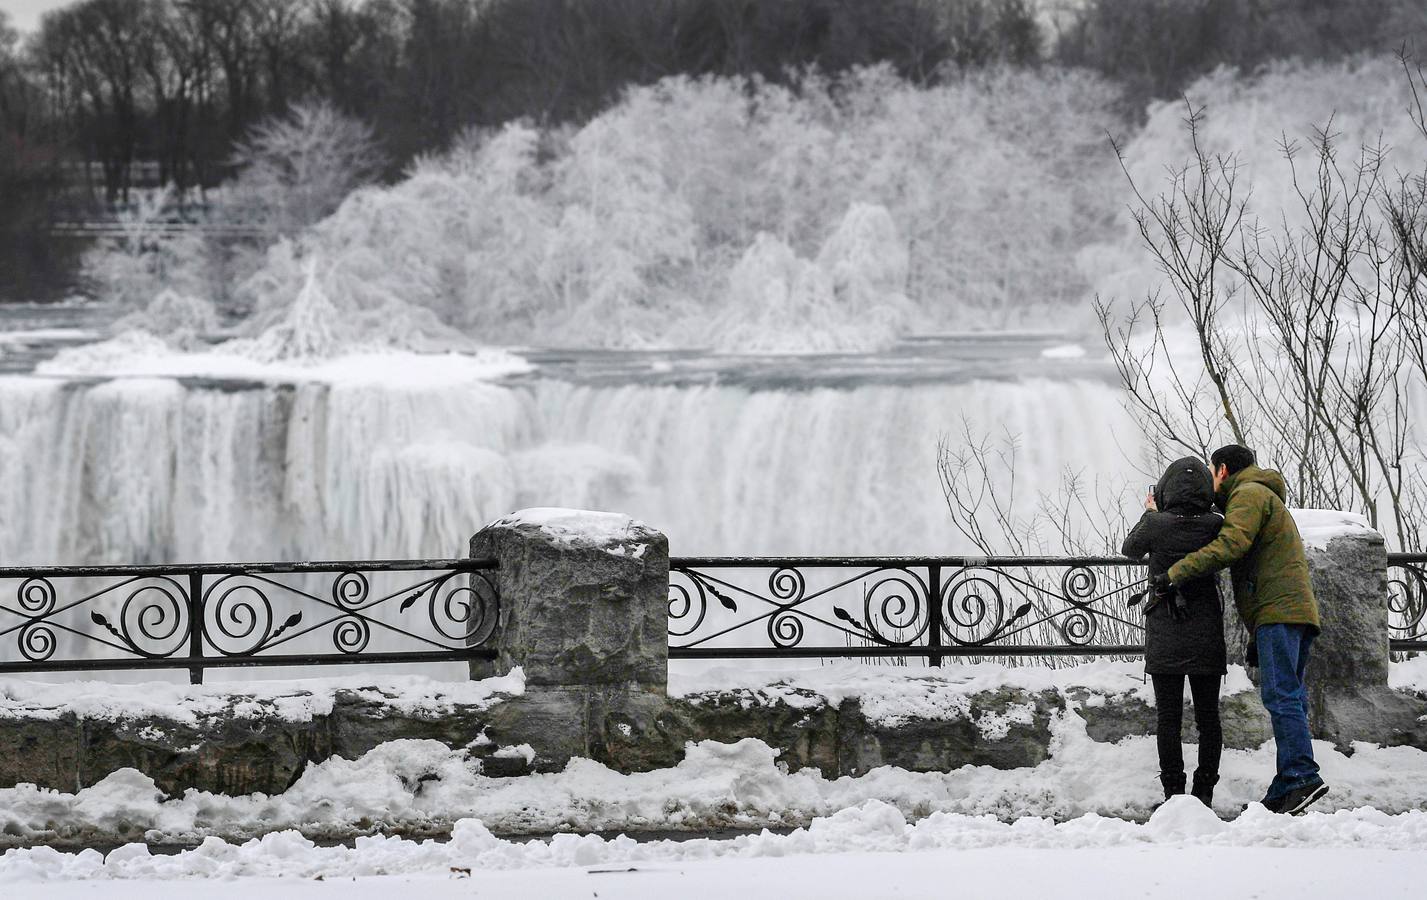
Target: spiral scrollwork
{"x":238,"y":616}
{"x":1407,"y":603}
{"x":1078,"y":585}
{"x":36,"y":596}
{"x":1079,"y":627}
{"x":37,"y":642}
{"x":466,"y":613}
{"x":687,"y":607}
{"x":787,"y":586}
{"x":351,"y":635}
{"x":894,"y":608}
{"x":974,"y":609}
{"x":350,"y":590}
{"x":153,"y":620}
{"x":785,"y":629}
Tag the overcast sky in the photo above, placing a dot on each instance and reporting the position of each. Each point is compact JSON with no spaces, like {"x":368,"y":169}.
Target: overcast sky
{"x":25,"y":14}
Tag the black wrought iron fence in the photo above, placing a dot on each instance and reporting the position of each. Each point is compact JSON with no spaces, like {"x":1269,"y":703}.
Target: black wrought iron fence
{"x":903,"y":606}
{"x":1407,"y":601}
{"x":59,"y":619}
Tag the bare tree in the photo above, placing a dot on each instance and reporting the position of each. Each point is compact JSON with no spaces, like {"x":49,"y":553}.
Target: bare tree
{"x":1309,"y":343}
{"x":1307,"y":330}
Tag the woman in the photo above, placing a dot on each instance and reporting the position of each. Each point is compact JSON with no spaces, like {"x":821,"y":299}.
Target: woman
{"x":1184,"y":634}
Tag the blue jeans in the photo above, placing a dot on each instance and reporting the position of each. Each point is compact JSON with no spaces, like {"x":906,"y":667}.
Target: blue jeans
{"x":1283,"y":655}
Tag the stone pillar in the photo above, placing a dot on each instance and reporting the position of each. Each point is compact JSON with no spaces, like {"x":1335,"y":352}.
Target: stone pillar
{"x":584,"y":611}
{"x":1349,"y":697}
{"x":1349,"y":575}
{"x":1348,"y":694}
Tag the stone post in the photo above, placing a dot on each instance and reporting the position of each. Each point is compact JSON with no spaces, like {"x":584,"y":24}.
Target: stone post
{"x":584,"y":612}
{"x":1349,"y":697}
{"x":1348,"y":694}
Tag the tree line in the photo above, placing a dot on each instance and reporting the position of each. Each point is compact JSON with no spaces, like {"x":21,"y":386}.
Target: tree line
{"x":176,"y":84}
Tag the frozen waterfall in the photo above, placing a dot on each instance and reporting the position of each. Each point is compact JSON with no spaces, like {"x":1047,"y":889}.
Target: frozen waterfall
{"x":146,"y":470}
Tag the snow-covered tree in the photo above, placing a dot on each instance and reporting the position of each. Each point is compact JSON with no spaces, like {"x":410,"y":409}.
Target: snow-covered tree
{"x":297,"y":169}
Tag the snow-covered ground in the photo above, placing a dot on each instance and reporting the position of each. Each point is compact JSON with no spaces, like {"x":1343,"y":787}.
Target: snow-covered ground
{"x":866,"y":851}
{"x":1171,"y":870}
{"x":1078,"y":824}
{"x":424,"y":786}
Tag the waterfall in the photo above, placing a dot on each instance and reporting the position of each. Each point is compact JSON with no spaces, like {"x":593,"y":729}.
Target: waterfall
{"x":147,"y":470}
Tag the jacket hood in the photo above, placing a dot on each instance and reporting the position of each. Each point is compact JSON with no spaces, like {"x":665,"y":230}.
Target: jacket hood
{"x":1185,"y":487}
{"x":1253,"y":475}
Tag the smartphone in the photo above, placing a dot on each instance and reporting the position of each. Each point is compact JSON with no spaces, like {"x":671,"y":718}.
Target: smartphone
{"x":1150,"y":490}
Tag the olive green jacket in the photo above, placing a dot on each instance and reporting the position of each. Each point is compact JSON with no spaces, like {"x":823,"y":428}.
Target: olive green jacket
{"x":1260,"y":544}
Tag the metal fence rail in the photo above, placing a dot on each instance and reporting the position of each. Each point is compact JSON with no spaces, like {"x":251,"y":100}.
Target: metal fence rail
{"x":932,"y":607}
{"x":66,"y":619}
{"x":1407,"y":601}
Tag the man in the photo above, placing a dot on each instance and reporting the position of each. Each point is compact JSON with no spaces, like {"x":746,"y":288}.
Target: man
{"x":1260,"y":543}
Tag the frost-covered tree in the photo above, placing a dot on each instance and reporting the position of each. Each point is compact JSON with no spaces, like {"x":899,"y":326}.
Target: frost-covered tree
{"x":904,"y":207}
{"x":296,"y":169}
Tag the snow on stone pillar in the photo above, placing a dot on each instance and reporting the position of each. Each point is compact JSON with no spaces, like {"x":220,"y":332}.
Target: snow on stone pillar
{"x":1349,"y":698}
{"x":584,"y":612}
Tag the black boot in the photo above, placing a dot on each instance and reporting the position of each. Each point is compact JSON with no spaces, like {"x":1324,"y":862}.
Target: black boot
{"x":1173,"y":784}
{"x":1203,"y":789}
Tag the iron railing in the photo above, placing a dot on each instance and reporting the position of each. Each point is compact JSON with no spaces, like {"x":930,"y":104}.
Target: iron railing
{"x":67,"y":619}
{"x":903,"y":606}
{"x":1407,"y":601}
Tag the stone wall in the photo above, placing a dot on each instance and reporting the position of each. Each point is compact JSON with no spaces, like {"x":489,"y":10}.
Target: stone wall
{"x":583,"y":613}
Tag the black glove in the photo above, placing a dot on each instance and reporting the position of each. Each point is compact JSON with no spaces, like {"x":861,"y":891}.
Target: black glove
{"x":1251,"y":653}
{"x":1165,"y":592}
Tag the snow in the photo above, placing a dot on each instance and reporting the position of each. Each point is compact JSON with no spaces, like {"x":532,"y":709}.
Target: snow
{"x":418,"y":786}
{"x":1409,"y":674}
{"x":1116,"y":872}
{"x":891,"y":695}
{"x":849,"y":836}
{"x":136,"y":354}
{"x":579,"y":526}
{"x":48,"y":335}
{"x":1019,"y":824}
{"x":516,"y":751}
{"x":1319,"y":527}
{"x":292,"y":700}
{"x":1064,"y":351}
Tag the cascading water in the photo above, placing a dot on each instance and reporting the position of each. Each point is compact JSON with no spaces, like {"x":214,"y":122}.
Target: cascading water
{"x":145,"y":470}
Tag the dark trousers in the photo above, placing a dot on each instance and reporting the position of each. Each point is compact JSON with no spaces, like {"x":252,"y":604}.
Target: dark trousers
{"x":1169,"y":701}
{"x":1283,"y":656}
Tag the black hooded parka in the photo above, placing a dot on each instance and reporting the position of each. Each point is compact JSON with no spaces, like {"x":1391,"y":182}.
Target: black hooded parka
{"x":1184,"y":522}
